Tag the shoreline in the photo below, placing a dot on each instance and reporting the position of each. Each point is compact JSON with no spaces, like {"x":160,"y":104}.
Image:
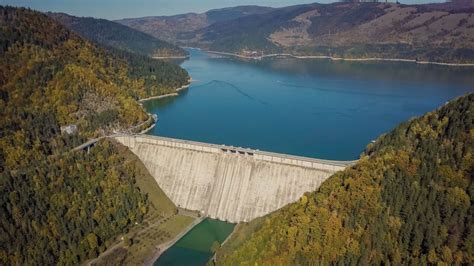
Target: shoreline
{"x":158,"y":97}
{"x":155,"y":118}
{"x":171,"y":57}
{"x":173,"y":94}
{"x":165,"y":246}
{"x":214,"y":257}
{"x":343,"y":59}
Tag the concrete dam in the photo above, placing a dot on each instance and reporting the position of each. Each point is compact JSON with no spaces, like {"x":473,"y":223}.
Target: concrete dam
{"x":225,"y":182}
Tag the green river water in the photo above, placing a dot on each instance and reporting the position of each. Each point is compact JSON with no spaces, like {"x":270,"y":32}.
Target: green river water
{"x":194,"y":248}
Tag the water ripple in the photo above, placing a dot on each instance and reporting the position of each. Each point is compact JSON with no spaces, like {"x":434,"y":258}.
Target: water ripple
{"x":236,"y":88}
{"x":340,"y":91}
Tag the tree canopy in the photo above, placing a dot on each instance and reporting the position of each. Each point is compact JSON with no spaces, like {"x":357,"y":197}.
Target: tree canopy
{"x":58,"y":206}
{"x":116,"y":35}
{"x":409,"y":200}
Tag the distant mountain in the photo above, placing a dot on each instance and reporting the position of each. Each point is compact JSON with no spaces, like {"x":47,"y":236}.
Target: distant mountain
{"x":116,"y":35}
{"x":408,"y":201}
{"x":429,"y":32}
{"x":172,"y":28}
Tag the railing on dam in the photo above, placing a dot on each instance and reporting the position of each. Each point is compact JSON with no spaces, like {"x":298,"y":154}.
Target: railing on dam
{"x":255,"y":154}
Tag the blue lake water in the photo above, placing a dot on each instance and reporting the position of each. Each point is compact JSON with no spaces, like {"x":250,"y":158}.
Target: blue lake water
{"x":314,"y":108}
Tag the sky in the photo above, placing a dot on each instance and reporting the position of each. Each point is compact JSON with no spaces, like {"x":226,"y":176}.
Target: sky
{"x":117,"y":9}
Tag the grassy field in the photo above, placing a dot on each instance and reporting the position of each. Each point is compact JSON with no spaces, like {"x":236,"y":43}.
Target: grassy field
{"x":154,"y":236}
{"x":144,"y":242}
{"x":162,"y":222}
{"x":160,"y":204}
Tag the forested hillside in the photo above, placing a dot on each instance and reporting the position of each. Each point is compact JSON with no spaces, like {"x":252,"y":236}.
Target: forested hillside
{"x":173,"y":28}
{"x":66,"y":209}
{"x":409,"y":200}
{"x":155,"y":77}
{"x":47,"y":67}
{"x":58,"y":206}
{"x":113,"y":34}
{"x":425,"y":32}
{"x":440,"y":32}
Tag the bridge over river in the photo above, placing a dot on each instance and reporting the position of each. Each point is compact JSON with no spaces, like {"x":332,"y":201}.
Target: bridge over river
{"x":225,"y":182}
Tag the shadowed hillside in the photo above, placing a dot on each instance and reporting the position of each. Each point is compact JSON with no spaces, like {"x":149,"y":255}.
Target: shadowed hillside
{"x":119,"y":36}
{"x":173,"y":28}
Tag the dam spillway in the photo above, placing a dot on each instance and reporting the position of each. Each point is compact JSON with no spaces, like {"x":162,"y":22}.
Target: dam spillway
{"x":225,"y":182}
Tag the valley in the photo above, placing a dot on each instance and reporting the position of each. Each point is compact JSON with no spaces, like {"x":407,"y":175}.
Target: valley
{"x":296,"y":134}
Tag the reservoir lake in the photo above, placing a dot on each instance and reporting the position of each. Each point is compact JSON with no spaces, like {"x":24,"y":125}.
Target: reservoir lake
{"x":315,"y":108}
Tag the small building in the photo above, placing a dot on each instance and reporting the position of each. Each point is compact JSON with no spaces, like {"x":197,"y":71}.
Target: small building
{"x":69,"y":129}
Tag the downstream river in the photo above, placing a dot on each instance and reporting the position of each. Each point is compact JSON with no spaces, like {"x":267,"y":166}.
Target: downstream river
{"x":316,"y":108}
{"x":194,"y":248}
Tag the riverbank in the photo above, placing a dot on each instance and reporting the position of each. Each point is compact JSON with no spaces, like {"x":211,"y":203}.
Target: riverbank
{"x":214,"y":257}
{"x":163,"y":247}
{"x":198,"y":246}
{"x":342,"y":58}
{"x":146,"y":238}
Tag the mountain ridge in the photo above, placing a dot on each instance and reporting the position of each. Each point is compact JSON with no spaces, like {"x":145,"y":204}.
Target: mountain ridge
{"x":119,"y":36}
{"x":169,"y":27}
{"x":426,"y":32}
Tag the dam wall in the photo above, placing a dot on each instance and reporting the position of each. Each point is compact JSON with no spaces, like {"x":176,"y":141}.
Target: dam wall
{"x":225,"y":182}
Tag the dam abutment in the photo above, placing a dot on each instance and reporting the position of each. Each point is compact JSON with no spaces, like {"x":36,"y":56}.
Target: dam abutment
{"x":228,"y":183}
